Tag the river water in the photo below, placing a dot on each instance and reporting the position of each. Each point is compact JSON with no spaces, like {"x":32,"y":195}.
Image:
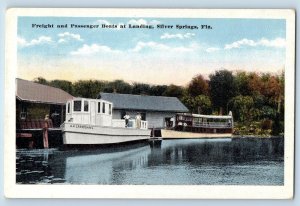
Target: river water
{"x":241,"y":161}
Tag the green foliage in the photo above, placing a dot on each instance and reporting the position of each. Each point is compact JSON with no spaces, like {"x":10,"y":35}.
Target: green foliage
{"x":140,"y":88}
{"x":41,"y":80}
{"x":222,"y":88}
{"x":200,"y":104}
{"x":174,"y":91}
{"x":278,"y":126}
{"x":62,"y":84}
{"x":203,"y":104}
{"x":268,"y":112}
{"x":88,"y":88}
{"x":242,"y":83}
{"x":241,"y":107}
{"x":158,"y":90}
{"x":253,"y":129}
{"x":118,"y":86}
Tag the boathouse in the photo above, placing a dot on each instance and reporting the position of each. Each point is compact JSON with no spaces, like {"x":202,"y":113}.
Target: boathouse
{"x":34,"y":101}
{"x":156,"y":110}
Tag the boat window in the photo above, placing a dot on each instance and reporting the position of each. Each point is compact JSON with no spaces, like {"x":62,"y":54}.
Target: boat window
{"x":109,"y":108}
{"x":103,"y":108}
{"x":69,"y":105}
{"x":86,"y":106}
{"x":99,"y":105}
{"x":77,"y":106}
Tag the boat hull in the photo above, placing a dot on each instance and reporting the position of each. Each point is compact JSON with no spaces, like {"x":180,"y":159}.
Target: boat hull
{"x":172,"y":134}
{"x":82,"y":134}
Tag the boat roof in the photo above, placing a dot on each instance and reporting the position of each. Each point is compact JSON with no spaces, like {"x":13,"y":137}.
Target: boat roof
{"x":213,"y":116}
{"x":89,"y":99}
{"x":209,"y":116}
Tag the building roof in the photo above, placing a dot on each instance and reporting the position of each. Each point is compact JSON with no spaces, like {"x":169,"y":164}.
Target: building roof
{"x":142,"y":102}
{"x":39,"y":93}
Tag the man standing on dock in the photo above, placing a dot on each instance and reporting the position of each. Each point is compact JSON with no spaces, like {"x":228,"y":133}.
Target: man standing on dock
{"x":126,"y":117}
{"x":45,"y":132}
{"x":138,"y":119}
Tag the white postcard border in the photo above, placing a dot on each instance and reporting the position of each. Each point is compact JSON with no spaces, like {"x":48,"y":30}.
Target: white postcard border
{"x":13,"y":190}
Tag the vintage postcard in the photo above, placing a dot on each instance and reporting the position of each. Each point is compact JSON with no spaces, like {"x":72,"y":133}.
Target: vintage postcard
{"x":149,"y":103}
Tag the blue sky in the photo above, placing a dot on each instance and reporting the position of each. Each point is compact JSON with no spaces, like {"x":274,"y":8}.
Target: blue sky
{"x":156,"y":56}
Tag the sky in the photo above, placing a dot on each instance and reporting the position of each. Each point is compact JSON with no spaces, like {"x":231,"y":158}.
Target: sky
{"x":154,"y":56}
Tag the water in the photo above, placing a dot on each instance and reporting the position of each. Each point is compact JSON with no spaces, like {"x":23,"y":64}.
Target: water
{"x":249,"y":161}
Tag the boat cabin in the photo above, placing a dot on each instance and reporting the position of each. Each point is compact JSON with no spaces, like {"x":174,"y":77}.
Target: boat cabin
{"x":204,"y":123}
{"x":97,"y":112}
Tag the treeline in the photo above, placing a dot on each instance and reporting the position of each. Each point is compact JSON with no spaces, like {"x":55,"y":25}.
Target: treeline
{"x":256,"y":100}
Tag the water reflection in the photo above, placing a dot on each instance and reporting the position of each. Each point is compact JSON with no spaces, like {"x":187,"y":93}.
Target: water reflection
{"x":183,"y":162}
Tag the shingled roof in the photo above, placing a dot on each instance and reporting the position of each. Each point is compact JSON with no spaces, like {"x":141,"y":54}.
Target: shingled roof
{"x":143,"y":102}
{"x":39,"y":93}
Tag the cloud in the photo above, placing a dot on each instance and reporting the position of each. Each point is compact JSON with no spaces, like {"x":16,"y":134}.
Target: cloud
{"x":178,"y":36}
{"x":277,"y":43}
{"x":40,"y":40}
{"x":62,"y":41}
{"x":102,"y":21}
{"x":154,"y":22}
{"x":87,"y":50}
{"x":142,"y":21}
{"x":161,"y":47}
{"x":66,"y":36}
{"x":212,"y":49}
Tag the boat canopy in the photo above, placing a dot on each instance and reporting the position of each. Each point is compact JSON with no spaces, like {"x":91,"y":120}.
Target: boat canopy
{"x":212,"y":116}
{"x":206,"y":116}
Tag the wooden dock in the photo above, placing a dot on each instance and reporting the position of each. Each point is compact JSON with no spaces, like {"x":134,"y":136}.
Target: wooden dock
{"x":33,"y":138}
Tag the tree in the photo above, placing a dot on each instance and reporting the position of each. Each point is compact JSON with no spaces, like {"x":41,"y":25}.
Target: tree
{"x":41,"y":80}
{"x":158,"y":90}
{"x":241,"y":107}
{"x":62,"y":84}
{"x":274,"y":89}
{"x":174,"y":91}
{"x":222,"y":89}
{"x":255,"y":84}
{"x":198,"y":86}
{"x":200,"y":104}
{"x":267,"y":112}
{"x":140,"y":88}
{"x":280,"y":107}
{"x":242,"y":83}
{"x":188,"y":101}
{"x":118,"y":86}
{"x":88,"y":88}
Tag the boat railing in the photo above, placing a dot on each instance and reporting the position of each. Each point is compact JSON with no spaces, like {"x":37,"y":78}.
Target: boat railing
{"x":212,"y":124}
{"x":144,"y":124}
{"x":133,"y":124}
{"x":118,"y":123}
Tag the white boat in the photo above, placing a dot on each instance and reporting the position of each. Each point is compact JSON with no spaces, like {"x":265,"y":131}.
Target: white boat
{"x":90,"y":122}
